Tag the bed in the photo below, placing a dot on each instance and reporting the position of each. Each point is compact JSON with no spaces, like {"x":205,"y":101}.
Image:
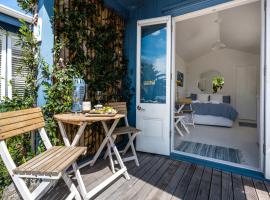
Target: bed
{"x":221,"y":114}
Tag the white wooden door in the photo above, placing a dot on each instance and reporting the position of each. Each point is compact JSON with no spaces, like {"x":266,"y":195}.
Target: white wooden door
{"x":153,"y":85}
{"x":246,"y":92}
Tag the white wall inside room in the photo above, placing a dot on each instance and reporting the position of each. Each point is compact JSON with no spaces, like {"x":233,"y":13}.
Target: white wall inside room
{"x":225,"y":61}
{"x":180,"y":65}
{"x":240,"y":32}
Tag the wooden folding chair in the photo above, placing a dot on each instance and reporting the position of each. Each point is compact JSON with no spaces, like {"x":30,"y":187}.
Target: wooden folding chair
{"x":132,"y":132}
{"x":179,"y":119}
{"x":190,"y":112}
{"x":48,"y":166}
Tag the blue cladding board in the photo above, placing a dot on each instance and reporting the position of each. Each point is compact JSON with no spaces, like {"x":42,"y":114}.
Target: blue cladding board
{"x":8,"y":27}
{"x":117,"y":7}
{"x":151,"y":9}
{"x":9,"y":20}
{"x":46,"y":46}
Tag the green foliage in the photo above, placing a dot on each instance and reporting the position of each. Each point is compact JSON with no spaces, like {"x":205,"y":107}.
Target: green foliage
{"x":28,"y":5}
{"x":105,"y":71}
{"x":58,"y":89}
{"x":104,"y":67}
{"x":218,"y":83}
{"x":20,"y":146}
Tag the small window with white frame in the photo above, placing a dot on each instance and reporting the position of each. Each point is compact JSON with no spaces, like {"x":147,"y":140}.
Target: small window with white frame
{"x":12,"y":76}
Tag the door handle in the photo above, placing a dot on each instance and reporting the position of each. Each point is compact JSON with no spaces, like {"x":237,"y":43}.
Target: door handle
{"x":139,"y":108}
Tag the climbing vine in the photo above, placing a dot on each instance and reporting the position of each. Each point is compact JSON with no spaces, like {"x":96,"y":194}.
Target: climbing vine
{"x":88,"y":44}
{"x":20,"y":146}
{"x":93,"y":38}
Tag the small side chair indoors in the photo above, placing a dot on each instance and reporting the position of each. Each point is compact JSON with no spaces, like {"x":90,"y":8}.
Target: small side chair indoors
{"x":48,"y":166}
{"x":132,"y":132}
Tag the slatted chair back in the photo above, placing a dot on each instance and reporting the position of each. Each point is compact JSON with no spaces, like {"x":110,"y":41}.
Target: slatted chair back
{"x":19,"y":122}
{"x":48,"y":166}
{"x":121,"y":107}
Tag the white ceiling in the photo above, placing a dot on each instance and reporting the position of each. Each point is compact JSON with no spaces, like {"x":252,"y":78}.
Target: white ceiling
{"x":239,"y":29}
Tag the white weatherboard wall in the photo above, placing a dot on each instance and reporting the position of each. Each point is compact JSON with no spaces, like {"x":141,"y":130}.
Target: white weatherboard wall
{"x":180,"y":65}
{"x":225,"y":61}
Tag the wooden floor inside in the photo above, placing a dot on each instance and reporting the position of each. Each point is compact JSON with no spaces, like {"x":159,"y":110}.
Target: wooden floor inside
{"x":159,"y":177}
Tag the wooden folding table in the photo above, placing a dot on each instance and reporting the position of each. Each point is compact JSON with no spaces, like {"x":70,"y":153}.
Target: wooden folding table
{"x":82,"y":121}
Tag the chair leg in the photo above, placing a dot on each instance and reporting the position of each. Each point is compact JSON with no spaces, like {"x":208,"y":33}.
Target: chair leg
{"x":72,"y":188}
{"x":110,"y":157}
{"x":176,"y":127}
{"x":131,"y":144}
{"x":107,"y":153}
{"x":128,"y":145}
{"x":184,"y":125}
{"x":193,"y":121}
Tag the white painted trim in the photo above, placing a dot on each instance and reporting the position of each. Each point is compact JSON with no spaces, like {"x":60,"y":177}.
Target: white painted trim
{"x":3,"y":66}
{"x":173,"y":83}
{"x":9,"y":67}
{"x":153,"y":21}
{"x":14,"y":13}
{"x":213,"y":9}
{"x":210,"y":10}
{"x":261,"y":127}
{"x":267,"y":91}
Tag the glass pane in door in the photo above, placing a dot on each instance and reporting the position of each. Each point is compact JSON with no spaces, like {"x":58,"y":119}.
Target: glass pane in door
{"x":153,"y":64}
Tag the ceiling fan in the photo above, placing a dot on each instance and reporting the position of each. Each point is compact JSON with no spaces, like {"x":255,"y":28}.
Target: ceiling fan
{"x":218,"y":44}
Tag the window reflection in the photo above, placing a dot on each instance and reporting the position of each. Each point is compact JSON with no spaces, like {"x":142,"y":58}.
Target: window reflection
{"x":153,"y":64}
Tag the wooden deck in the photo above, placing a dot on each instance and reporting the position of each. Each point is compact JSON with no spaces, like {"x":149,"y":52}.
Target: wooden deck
{"x":161,"y":178}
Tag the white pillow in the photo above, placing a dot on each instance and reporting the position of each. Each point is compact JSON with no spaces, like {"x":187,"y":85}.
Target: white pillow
{"x":195,"y":101}
{"x":216,"y":98}
{"x":203,"y":98}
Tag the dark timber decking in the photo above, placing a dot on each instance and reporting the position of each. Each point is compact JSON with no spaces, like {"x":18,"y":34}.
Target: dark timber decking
{"x":161,"y":178}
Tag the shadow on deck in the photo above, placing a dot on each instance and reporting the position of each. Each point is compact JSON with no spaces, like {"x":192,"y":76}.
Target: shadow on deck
{"x":159,"y":177}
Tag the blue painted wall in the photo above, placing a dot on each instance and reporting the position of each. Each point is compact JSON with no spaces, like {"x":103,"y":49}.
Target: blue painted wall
{"x":151,"y":9}
{"x":46,"y":13}
{"x":117,"y":7}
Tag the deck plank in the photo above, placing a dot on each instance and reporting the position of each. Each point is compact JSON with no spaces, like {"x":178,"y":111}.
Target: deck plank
{"x":238,"y":189}
{"x":151,"y":167}
{"x":204,"y":189}
{"x":143,"y":187}
{"x":92,"y":184}
{"x":194,"y":185}
{"x":132,"y":172}
{"x":215,"y":189}
{"x":261,"y":189}
{"x":183,"y":184}
{"x":250,"y":191}
{"x":226,"y":186}
{"x":267,"y":185}
{"x":171,"y":187}
{"x":163,"y":182}
{"x":160,"y":178}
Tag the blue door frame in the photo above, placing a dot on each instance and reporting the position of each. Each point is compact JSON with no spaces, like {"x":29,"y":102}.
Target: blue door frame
{"x":220,"y":166}
{"x":152,"y":9}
